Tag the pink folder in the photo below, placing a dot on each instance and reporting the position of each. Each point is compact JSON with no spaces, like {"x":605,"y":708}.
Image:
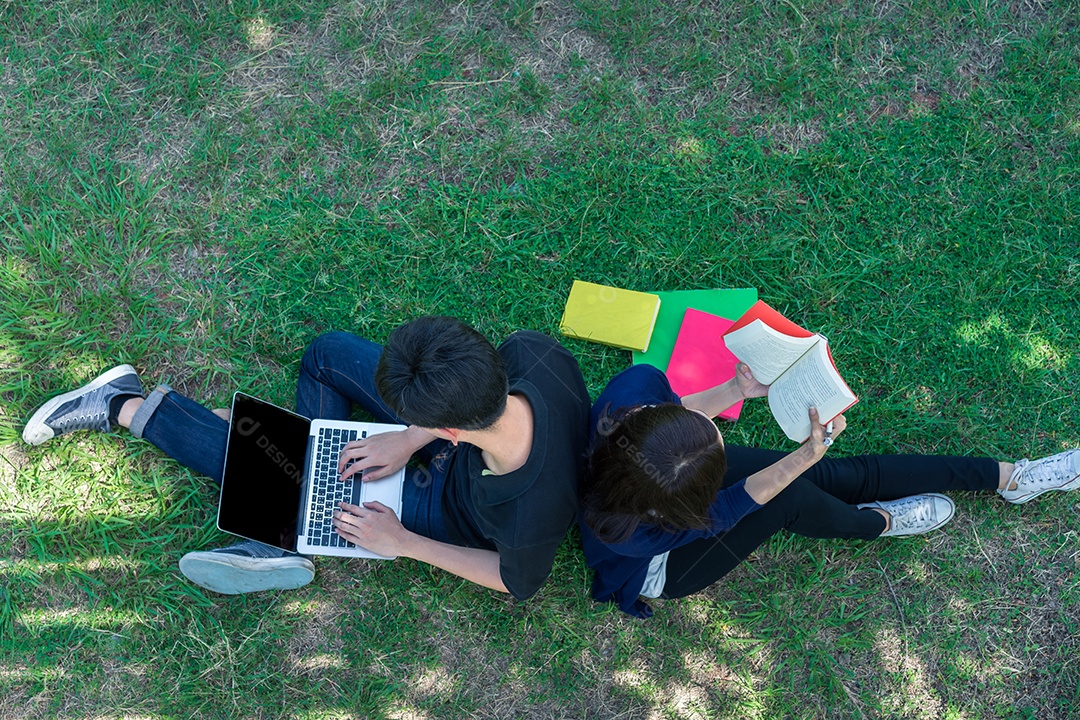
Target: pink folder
{"x":700,"y":359}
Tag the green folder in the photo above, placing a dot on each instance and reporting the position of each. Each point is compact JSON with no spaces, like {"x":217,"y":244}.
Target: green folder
{"x":730,"y":304}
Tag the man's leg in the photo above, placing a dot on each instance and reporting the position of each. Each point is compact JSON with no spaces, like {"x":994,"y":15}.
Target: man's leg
{"x":188,"y":433}
{"x":337,"y":371}
{"x":197,"y":437}
{"x":184,"y":430}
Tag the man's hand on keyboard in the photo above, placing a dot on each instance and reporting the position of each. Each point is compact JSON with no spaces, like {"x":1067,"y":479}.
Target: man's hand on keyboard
{"x":377,"y":456}
{"x":373,"y":526}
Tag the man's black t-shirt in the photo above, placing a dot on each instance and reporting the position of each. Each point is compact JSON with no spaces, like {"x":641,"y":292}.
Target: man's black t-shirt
{"x":525,"y":514}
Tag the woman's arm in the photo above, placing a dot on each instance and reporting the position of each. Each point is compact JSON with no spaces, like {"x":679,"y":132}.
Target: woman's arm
{"x":766,"y":484}
{"x":717,"y":399}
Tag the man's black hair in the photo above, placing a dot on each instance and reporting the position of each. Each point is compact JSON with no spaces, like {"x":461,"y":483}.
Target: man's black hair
{"x":437,"y":372}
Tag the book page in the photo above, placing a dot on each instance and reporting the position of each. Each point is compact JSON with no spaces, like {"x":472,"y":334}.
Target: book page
{"x":811,"y":382}
{"x":768,"y":352}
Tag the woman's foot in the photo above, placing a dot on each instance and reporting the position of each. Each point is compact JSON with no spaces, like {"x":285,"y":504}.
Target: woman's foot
{"x":1032,"y":478}
{"x":914,"y":515}
{"x":87,"y":408}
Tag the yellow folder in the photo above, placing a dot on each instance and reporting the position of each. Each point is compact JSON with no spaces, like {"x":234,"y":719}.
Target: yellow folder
{"x":611,"y":316}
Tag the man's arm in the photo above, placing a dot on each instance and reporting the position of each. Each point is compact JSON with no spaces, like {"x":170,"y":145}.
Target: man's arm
{"x":376,"y":527}
{"x":474,"y":564}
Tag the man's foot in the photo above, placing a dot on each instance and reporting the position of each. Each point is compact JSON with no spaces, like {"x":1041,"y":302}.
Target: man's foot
{"x":247,"y":567}
{"x":84,"y":409}
{"x":1032,"y":478}
{"x":916,"y":514}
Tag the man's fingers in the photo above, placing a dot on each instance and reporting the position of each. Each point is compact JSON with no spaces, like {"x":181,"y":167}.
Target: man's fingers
{"x":375,"y":473}
{"x":347,"y":534}
{"x":365,"y":472}
{"x":363,"y":465}
{"x":352,"y":452}
{"x":377,"y":507}
{"x":350,"y":471}
{"x":349,"y":520}
{"x":353,"y":522}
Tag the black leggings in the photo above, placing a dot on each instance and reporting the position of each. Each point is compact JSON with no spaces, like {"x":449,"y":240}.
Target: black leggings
{"x":819,"y":504}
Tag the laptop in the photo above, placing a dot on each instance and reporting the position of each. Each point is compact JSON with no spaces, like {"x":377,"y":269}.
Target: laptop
{"x":281,"y":484}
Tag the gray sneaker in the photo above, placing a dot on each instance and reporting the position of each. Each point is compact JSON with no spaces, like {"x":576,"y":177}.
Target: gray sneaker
{"x":247,"y":567}
{"x":84,"y":409}
{"x":916,"y":514}
{"x":1035,"y":477}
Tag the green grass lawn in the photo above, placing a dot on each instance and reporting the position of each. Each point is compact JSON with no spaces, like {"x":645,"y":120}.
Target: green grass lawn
{"x":200,"y":189}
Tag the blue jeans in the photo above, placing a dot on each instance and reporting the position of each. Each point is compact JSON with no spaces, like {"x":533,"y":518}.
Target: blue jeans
{"x":337,"y":371}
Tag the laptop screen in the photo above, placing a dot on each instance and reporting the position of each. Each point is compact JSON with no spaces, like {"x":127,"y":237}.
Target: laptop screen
{"x":264,"y":472}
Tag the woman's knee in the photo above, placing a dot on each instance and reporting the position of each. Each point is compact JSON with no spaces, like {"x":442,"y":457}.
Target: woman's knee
{"x":800,"y":493}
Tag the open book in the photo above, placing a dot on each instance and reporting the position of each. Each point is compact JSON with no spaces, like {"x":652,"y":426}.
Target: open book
{"x":796,"y":365}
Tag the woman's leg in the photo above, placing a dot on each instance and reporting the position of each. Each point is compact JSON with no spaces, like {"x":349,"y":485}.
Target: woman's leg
{"x":802,"y":507}
{"x":821,"y":504}
{"x":866,"y":478}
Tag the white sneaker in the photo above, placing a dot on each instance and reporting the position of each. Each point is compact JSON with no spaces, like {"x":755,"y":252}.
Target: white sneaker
{"x":247,"y":567}
{"x":1035,"y":477}
{"x":916,"y":514}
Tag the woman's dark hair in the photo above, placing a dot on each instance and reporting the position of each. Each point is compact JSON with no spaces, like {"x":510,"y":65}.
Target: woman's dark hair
{"x":437,"y":372}
{"x":659,"y":464}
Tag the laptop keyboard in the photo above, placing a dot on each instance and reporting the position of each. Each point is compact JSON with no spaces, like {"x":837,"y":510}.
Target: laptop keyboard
{"x":327,"y":488}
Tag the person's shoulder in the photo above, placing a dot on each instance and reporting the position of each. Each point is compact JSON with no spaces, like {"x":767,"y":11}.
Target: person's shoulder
{"x":642,"y":379}
{"x":527,"y":352}
{"x":530,"y":338}
{"x":642,"y":371}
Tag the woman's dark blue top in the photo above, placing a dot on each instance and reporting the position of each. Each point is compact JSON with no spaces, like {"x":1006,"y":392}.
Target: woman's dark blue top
{"x":620,"y":568}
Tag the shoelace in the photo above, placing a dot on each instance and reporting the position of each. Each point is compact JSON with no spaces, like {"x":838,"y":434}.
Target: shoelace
{"x":912,"y":512}
{"x":251,"y":548}
{"x":1052,"y":469}
{"x":78,"y":419}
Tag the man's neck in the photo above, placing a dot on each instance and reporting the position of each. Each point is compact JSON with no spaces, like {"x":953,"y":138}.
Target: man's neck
{"x":506,"y":446}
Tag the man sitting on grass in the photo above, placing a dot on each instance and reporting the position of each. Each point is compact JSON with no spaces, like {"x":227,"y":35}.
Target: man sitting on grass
{"x":502,"y":433}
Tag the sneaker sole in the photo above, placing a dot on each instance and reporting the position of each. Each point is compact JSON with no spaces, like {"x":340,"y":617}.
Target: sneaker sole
{"x":236,"y":574}
{"x":36,"y":431}
{"x":1071,"y":485}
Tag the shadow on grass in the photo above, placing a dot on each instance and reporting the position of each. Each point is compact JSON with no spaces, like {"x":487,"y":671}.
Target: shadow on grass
{"x":96,"y":601}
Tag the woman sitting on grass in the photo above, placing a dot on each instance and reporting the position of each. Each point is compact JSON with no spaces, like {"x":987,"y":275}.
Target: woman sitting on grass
{"x":668,"y":509}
